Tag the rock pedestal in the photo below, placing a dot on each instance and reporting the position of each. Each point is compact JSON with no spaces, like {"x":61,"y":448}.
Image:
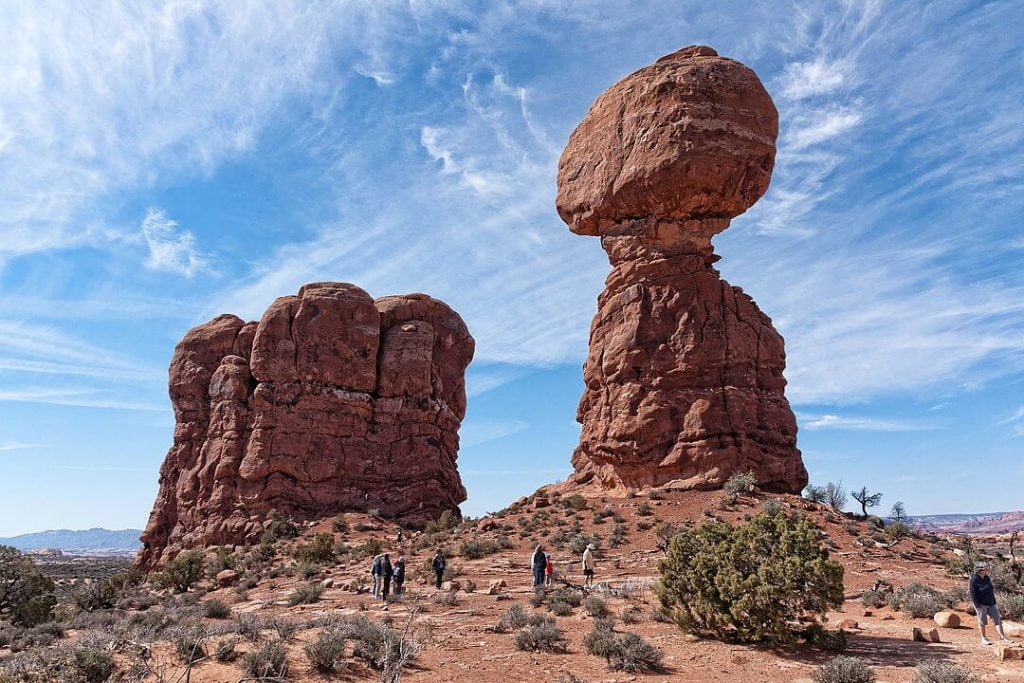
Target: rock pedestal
{"x":684,"y":378}
{"x":333,"y":402}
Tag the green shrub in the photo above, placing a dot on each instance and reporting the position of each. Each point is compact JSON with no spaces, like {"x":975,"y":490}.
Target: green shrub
{"x":26,"y":595}
{"x":741,"y":482}
{"x":326,"y":654}
{"x":281,"y":526}
{"x":559,"y":608}
{"x":626,"y":652}
{"x":319,"y":550}
{"x":1011,"y":606}
{"x":749,"y":582}
{"x":102,"y":594}
{"x":569,"y":596}
{"x":249,"y":626}
{"x":306,"y":593}
{"x":472,"y":550}
{"x":92,"y":664}
{"x":938,"y":671}
{"x":189,"y":640}
{"x":844,"y":670}
{"x":644,"y":510}
{"x":216,"y":609}
{"x":339,"y":524}
{"x":595,"y":606}
{"x":267,"y":661}
{"x":541,"y":635}
{"x":874,"y":598}
{"x":580,"y":541}
{"x":181,"y":573}
{"x":512,"y":619}
{"x":225,"y":651}
{"x":575,"y":502}
{"x":631,"y":614}
{"x":919,"y":600}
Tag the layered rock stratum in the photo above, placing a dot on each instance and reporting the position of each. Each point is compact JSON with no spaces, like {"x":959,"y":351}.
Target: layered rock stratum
{"x":333,"y":402}
{"x":684,"y":378}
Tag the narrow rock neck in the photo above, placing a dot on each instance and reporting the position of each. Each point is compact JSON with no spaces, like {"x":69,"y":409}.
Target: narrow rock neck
{"x":650,"y":251}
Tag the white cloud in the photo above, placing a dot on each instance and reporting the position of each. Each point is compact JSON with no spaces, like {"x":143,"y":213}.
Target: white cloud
{"x":825,"y":126}
{"x":75,"y":397}
{"x":1016,"y":421}
{"x":870,"y":424}
{"x":171,"y":248}
{"x":477,"y":431}
{"x":816,"y":77}
{"x":16,"y":446}
{"x":43,"y":349}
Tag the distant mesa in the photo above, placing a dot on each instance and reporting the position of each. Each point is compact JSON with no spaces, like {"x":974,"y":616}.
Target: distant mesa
{"x":684,"y":379}
{"x":77,"y":542}
{"x":333,"y":402}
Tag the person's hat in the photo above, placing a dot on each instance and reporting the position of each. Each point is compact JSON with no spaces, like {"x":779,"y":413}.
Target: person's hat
{"x":980,"y":565}
{"x":590,"y":546}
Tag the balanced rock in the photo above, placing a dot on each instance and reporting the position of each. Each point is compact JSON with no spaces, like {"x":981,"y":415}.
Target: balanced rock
{"x":684,"y":378}
{"x":333,"y":402}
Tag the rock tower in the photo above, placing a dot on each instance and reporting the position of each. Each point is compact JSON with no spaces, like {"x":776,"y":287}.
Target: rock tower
{"x":684,"y":378}
{"x":333,"y":402}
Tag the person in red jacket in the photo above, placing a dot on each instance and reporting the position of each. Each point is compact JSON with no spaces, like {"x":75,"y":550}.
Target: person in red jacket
{"x":549,"y":571}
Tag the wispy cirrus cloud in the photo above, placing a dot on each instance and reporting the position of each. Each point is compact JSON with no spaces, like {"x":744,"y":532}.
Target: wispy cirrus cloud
{"x":78,"y":397}
{"x":870,"y":424}
{"x":45,"y":349}
{"x":170,"y":247}
{"x":6,"y":446}
{"x":1016,"y":421}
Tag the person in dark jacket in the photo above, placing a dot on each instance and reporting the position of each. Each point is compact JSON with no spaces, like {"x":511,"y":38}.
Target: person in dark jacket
{"x":539,"y":562}
{"x":375,"y":573}
{"x":387,"y":573}
{"x":399,"y":575}
{"x":983,"y":597}
{"x":438,"y":564}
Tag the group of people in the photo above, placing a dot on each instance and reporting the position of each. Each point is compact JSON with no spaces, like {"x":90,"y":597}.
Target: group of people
{"x":544,"y":566}
{"x":383,"y":574}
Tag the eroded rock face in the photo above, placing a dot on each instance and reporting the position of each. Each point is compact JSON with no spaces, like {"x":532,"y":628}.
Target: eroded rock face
{"x":684,"y":379}
{"x":333,"y":402}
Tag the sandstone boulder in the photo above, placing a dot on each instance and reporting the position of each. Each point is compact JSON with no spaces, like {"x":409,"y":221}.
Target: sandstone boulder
{"x":227,"y":577}
{"x":332,"y":402}
{"x":947,"y":619}
{"x":684,"y":379}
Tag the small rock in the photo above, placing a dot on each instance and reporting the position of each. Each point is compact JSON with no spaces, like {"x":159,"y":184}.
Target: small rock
{"x":328,"y":583}
{"x":848,"y":624}
{"x":868,"y":613}
{"x":1013,"y":630}
{"x":888,"y":617}
{"x":227,"y":577}
{"x":451,"y":586}
{"x":1013,"y":651}
{"x":933,"y":636}
{"x":947,"y":619}
{"x":918,"y":636}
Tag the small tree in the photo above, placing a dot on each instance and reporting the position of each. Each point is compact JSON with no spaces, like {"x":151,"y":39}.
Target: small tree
{"x":26,"y":595}
{"x":898,"y":512}
{"x":835,"y":496}
{"x":181,"y":572}
{"x":749,"y":583}
{"x":866,"y":499}
{"x":815,"y":494}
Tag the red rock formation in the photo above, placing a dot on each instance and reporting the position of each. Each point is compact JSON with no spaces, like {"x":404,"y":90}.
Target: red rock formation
{"x":684,"y":379}
{"x":333,"y":402}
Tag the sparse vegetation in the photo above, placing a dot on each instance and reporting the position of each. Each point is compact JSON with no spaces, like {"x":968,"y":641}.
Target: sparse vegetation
{"x":305,"y":594}
{"x":326,"y":653}
{"x":269,"y":660}
{"x":866,"y":499}
{"x":575,"y":502}
{"x":749,"y":582}
{"x":319,"y":550}
{"x":541,"y":634}
{"x":595,"y":606}
{"x":474,"y":549}
{"x":844,"y":670}
{"x":919,"y":600}
{"x":624,"y":652}
{"x":938,"y":671}
{"x":181,"y":573}
{"x":216,"y":609}
{"x":26,"y":595}
{"x":741,"y":482}
{"x":512,"y":619}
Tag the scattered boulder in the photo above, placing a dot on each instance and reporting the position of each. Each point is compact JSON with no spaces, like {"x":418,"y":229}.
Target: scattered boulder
{"x":684,"y":378}
{"x":1005,"y":651}
{"x":848,"y":625}
{"x":947,"y":619}
{"x":227,"y":577}
{"x":332,"y":402}
{"x":1013,"y":630}
{"x":452,"y":586}
{"x":328,"y":583}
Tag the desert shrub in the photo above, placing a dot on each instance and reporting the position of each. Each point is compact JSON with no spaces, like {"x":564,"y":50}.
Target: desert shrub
{"x":249,"y":626}
{"x":898,"y":530}
{"x":541,"y":635}
{"x":937,"y":671}
{"x":538,"y":597}
{"x":595,"y":606}
{"x":815,"y":494}
{"x":216,"y":609}
{"x":741,"y":482}
{"x":844,"y":670}
{"x":834,"y":495}
{"x":874,"y":598}
{"x":371,"y":547}
{"x":575,"y":502}
{"x":559,"y":608}
{"x":101,"y":594}
{"x":1003,"y":578}
{"x":26,"y":594}
{"x":644,"y":510}
{"x":92,"y":664}
{"x":189,"y":639}
{"x":580,"y":541}
{"x":919,"y":600}
{"x":472,"y":549}
{"x":267,"y":661}
{"x":225,"y":650}
{"x":446,"y":598}
{"x":748,"y":582}
{"x":285,"y":628}
{"x":305,"y":594}
{"x":512,"y":619}
{"x":319,"y":550}
{"x":623,"y":652}
{"x":446,"y":522}
{"x":339,"y":524}
{"x":567,"y":595}
{"x":327,"y":653}
{"x":823,"y":639}
{"x":280,"y":526}
{"x":181,"y":573}
{"x":306,"y":571}
{"x":1011,"y":606}
{"x":618,"y":536}
{"x":631,"y":614}
{"x":220,"y":560}
{"x":601,"y":641}
{"x":380,"y":646}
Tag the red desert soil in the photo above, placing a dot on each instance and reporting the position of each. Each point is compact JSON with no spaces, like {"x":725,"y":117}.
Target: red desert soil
{"x":463,"y":646}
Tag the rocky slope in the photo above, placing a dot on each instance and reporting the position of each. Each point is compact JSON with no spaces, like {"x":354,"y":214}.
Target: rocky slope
{"x":684,"y":378}
{"x":333,"y":402}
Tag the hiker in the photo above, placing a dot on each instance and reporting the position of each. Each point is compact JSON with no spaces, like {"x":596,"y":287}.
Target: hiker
{"x":983,"y":596}
{"x":549,"y":571}
{"x":438,"y":563}
{"x":539,"y":561}
{"x":375,"y":571}
{"x":400,"y":537}
{"x":588,"y":566}
{"x":399,"y":575}
{"x":387,"y":572}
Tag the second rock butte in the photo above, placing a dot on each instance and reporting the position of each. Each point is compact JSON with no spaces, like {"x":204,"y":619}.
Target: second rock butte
{"x":684,"y":378}
{"x":333,"y":402}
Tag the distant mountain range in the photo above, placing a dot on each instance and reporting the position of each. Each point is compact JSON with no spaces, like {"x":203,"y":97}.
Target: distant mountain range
{"x":87,"y":540}
{"x":987,"y":523}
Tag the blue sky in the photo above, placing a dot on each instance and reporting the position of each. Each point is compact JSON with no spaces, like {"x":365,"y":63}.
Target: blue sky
{"x":161,"y":163}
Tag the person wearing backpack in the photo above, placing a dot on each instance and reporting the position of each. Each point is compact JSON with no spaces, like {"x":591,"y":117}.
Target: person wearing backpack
{"x":539,"y":561}
{"x":386,"y":574}
{"x":399,"y":575}
{"x":438,"y":564}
